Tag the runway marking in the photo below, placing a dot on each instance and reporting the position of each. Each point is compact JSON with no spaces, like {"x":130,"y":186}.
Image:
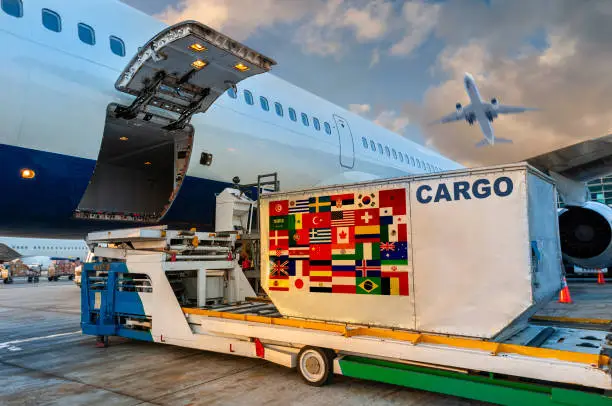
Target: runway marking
{"x":10,"y":345}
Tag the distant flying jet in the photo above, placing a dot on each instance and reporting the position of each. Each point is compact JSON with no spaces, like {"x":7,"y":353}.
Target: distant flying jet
{"x":481,"y":111}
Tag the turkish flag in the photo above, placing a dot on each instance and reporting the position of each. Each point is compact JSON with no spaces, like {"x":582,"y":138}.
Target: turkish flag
{"x":279,"y":208}
{"x":395,"y":199}
{"x":317,"y":220}
{"x":367,"y":217}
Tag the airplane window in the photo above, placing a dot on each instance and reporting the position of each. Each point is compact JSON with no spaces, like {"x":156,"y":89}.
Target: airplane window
{"x":292,"y":114}
{"x":117,"y":46}
{"x":380,"y":148}
{"x":401,"y":157}
{"x":87,"y":34}
{"x":13,"y":8}
{"x":364,"y":142}
{"x":394,"y":153}
{"x":412,"y":161}
{"x":264,"y":103}
{"x":305,"y":119}
{"x":372,"y":146}
{"x":315,"y":122}
{"x":51,"y":20}
{"x":387,"y":151}
{"x":232,"y":93}
{"x":279,"y":109}
{"x":327,"y":127}
{"x":248,"y":97}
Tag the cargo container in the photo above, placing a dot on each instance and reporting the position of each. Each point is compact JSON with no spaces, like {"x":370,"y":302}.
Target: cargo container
{"x":464,"y":252}
{"x":17,"y":269}
{"x":61,"y":268}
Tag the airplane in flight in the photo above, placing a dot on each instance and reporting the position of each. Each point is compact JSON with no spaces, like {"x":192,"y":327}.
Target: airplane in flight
{"x":482,"y":112}
{"x":113,"y":119}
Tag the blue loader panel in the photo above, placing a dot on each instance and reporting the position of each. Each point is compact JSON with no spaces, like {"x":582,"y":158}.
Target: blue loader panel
{"x":109,"y":298}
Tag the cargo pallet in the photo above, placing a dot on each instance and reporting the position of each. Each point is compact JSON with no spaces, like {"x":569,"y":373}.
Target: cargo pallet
{"x":182,"y":288}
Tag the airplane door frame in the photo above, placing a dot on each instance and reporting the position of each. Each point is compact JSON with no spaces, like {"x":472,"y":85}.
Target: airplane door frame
{"x":347,"y":144}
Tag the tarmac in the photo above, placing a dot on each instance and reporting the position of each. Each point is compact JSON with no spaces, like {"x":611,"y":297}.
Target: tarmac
{"x":45,"y":360}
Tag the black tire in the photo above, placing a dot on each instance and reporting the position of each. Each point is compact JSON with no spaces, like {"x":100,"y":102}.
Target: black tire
{"x":50,"y":278}
{"x":6,"y":281}
{"x":36,"y":279}
{"x":71,"y":277}
{"x":55,"y":278}
{"x":29,"y":279}
{"x":315,"y":365}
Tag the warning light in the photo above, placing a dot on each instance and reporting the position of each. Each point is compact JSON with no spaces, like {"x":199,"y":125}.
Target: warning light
{"x":241,"y":67}
{"x":148,"y":163}
{"x":197,"y":47}
{"x":123,"y":138}
{"x":28,"y":174}
{"x":199,"y":64}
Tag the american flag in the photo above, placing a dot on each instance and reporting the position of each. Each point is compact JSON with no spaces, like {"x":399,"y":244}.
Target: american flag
{"x":343,"y":218}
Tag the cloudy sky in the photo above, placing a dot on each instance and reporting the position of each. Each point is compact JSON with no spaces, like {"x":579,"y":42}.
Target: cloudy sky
{"x":400,"y":63}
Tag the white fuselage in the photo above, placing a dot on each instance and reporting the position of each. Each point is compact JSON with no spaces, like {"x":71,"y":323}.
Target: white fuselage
{"x":477,"y":107}
{"x":56,"y":90}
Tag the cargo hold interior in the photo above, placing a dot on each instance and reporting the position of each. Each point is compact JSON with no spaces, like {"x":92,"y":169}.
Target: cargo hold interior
{"x":139,"y":169}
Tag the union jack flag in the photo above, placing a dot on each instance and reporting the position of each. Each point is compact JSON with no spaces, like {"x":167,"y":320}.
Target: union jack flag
{"x":387,"y":246}
{"x":280,"y":269}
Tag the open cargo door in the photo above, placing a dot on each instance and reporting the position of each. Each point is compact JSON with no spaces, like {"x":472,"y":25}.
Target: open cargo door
{"x":183,"y":70}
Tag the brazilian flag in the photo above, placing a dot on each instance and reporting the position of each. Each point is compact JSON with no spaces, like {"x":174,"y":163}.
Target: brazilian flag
{"x":279,"y":223}
{"x":368,"y":286}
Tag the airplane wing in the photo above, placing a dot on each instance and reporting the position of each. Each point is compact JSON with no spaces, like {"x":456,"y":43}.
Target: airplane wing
{"x":502,"y":109}
{"x":454,"y":116}
{"x":573,"y":165}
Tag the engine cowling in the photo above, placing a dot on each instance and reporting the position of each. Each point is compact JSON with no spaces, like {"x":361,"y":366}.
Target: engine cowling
{"x":459,"y":107}
{"x":586,"y":235}
{"x":494,"y":101}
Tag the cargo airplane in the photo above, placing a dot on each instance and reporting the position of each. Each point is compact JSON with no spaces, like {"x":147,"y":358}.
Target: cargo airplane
{"x":111,"y":118}
{"x":482,"y":112}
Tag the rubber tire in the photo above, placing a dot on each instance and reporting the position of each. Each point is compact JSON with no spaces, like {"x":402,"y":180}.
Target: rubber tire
{"x":50,"y":278}
{"x":324,"y":354}
{"x":36,"y":279}
{"x":71,"y":277}
{"x":55,"y":278}
{"x":29,"y":279}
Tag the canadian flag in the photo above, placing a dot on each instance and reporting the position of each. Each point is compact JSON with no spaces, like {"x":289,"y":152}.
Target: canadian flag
{"x":343,"y":236}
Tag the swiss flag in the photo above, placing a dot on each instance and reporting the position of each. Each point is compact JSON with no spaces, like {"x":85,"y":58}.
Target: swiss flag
{"x":316,"y":220}
{"x":343,"y":237}
{"x":367,"y":217}
{"x":279,"y":208}
{"x":395,"y":199}
{"x":320,"y":252}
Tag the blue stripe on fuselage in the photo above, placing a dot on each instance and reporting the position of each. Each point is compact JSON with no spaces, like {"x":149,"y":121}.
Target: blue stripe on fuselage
{"x":44,"y":206}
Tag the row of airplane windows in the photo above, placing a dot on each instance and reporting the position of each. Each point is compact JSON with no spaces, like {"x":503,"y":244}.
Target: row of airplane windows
{"x":278,"y":107}
{"x":53,"y":22}
{"x":410,"y":160}
{"x":48,"y":248}
{"x":265,"y":105}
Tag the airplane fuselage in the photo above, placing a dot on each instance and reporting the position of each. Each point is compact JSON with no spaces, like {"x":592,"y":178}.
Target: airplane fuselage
{"x":56,"y":92}
{"x":478,"y":109}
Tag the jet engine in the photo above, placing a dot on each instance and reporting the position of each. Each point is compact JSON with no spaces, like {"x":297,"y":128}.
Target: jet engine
{"x":586,"y":235}
{"x":494,"y":101}
{"x":458,"y":107}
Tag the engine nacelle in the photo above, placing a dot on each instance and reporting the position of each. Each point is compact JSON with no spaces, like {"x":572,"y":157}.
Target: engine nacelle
{"x":458,"y":106}
{"x":586,"y":235}
{"x":494,"y":101}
